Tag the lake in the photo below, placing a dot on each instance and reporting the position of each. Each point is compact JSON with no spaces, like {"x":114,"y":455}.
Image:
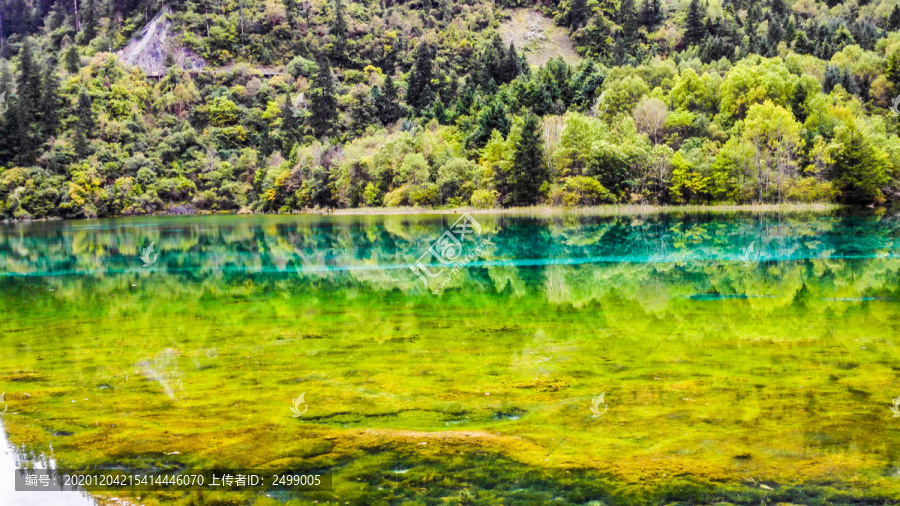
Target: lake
{"x":636,"y":359}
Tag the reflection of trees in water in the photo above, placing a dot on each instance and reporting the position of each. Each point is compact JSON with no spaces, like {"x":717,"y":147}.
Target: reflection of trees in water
{"x":568,"y":260}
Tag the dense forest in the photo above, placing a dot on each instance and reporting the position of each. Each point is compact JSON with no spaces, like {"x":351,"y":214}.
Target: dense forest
{"x":340,"y":103}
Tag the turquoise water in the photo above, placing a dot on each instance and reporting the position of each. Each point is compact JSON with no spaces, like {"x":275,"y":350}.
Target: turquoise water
{"x":738,"y":357}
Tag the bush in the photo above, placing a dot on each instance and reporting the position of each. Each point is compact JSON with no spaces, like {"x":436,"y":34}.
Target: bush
{"x":581,"y":191}
{"x":810,"y":189}
{"x":484,"y":199}
{"x":301,"y":66}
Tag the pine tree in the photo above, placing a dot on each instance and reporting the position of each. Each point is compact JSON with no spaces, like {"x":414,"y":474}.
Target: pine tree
{"x":892,"y":68}
{"x":419,"y":93}
{"x":90,"y":21}
{"x":511,"y":65}
{"x":774,"y":34}
{"x":894,"y":19}
{"x":521,"y":184}
{"x":831,"y":78}
{"x":651,"y":13}
{"x":779,"y":7}
{"x":7,"y":123}
{"x":290,"y":9}
{"x":338,"y":32}
{"x":577,"y":14}
{"x":695,"y":28}
{"x":322,"y":101}
{"x":389,"y":103}
{"x":50,"y":102}
{"x":802,"y":44}
{"x":627,"y":19}
{"x":493,"y":116}
{"x":73,"y":61}
{"x":28,"y":87}
{"x":860,"y":172}
{"x":84,"y":125}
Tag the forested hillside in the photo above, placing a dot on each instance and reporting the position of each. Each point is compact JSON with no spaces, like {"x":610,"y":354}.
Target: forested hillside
{"x":339,"y":103}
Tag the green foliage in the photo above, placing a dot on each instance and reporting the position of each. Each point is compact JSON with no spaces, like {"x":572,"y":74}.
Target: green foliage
{"x":520,"y":183}
{"x":696,"y":103}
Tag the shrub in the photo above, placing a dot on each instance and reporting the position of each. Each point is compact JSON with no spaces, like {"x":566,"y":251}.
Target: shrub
{"x":484,"y":199}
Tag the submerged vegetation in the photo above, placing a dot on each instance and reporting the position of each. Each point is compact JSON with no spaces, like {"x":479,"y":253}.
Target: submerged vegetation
{"x":343,"y":104}
{"x":720,"y":375}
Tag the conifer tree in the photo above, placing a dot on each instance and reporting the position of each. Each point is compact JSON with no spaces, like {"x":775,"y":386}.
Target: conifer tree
{"x":695,"y":27}
{"x":860,"y":172}
{"x":389,"y":103}
{"x":28,"y":88}
{"x":50,"y":102}
{"x":521,"y":183}
{"x":338,"y":32}
{"x":90,"y":21}
{"x":419,"y":93}
{"x":493,"y":116}
{"x":84,"y":123}
{"x":73,"y":61}
{"x":651,"y":13}
{"x":894,"y":19}
{"x":323,"y":105}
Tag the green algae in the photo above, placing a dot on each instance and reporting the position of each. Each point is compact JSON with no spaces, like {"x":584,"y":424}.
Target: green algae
{"x":720,"y":376}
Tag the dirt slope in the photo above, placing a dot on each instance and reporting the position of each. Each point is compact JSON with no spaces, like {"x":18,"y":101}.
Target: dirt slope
{"x":538,"y":37}
{"x":149,"y":48}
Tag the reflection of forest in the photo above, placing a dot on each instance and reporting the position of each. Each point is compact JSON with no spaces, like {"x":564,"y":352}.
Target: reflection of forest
{"x":572,"y":260}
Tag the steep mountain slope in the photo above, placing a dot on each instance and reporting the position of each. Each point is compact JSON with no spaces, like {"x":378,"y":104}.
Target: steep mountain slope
{"x":156,"y":48}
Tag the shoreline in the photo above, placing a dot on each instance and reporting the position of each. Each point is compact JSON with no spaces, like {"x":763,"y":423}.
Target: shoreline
{"x":603,"y":210}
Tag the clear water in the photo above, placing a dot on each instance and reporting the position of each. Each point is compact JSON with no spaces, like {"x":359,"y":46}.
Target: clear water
{"x":571,"y":358}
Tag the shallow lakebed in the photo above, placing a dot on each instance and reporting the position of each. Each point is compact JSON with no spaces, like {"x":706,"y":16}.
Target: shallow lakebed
{"x":684,"y":357}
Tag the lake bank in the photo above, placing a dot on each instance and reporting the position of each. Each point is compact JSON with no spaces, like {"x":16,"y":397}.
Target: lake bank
{"x":604,"y":210}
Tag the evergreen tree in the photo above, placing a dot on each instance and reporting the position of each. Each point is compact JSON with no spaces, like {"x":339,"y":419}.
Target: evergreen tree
{"x":50,"y":103}
{"x":338,"y":31}
{"x":28,"y":87}
{"x":290,"y":10}
{"x":831,"y":78}
{"x":84,"y":124}
{"x":89,"y":21}
{"x":73,"y":60}
{"x":511,"y":65}
{"x":651,"y":13}
{"x":892,"y":68}
{"x":7,"y":123}
{"x":860,"y":172}
{"x":695,"y":28}
{"x":493,"y":116}
{"x":521,"y":183}
{"x":802,"y":44}
{"x":576,"y":14}
{"x":389,"y":103}
{"x":419,"y":93}
{"x":779,"y":7}
{"x":323,"y":105}
{"x":627,"y":19}
{"x":773,"y":35}
{"x":894,"y":19}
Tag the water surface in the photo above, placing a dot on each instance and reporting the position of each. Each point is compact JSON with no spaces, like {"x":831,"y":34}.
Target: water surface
{"x":741,"y":357}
